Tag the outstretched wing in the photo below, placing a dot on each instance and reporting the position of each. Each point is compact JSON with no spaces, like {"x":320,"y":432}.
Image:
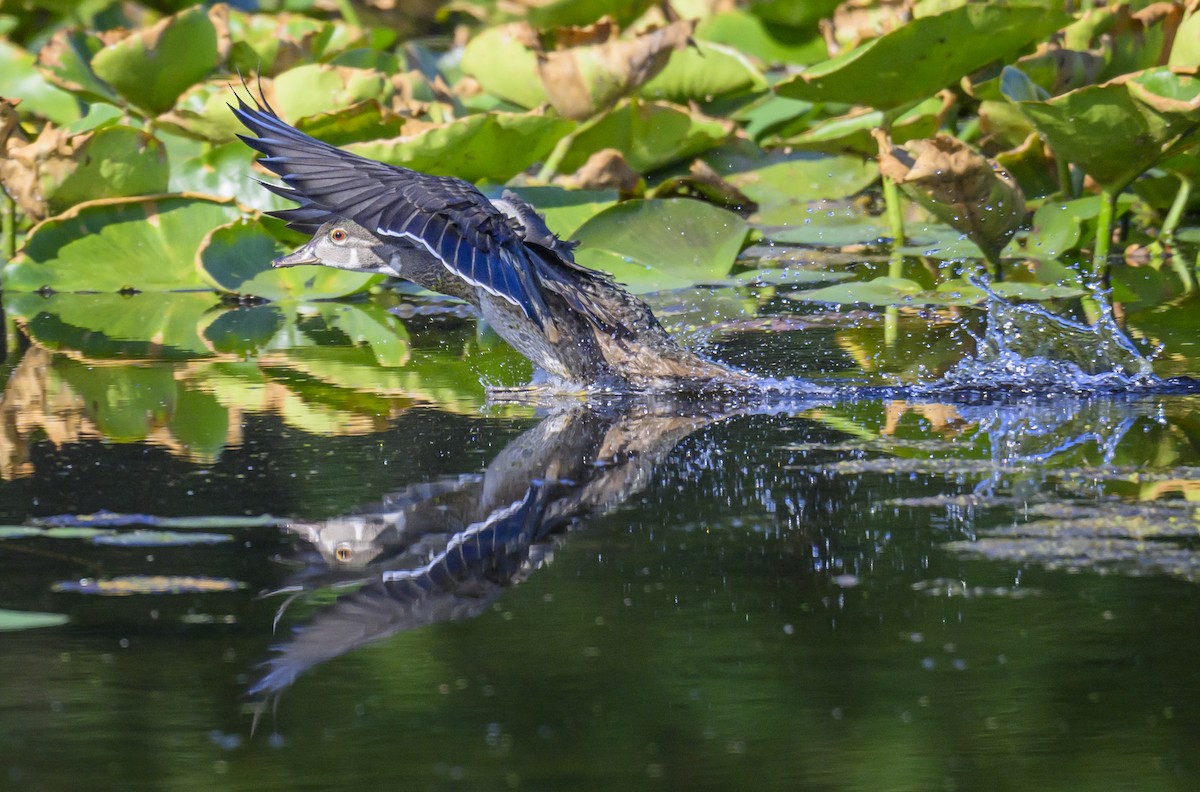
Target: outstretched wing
{"x":447,"y":216}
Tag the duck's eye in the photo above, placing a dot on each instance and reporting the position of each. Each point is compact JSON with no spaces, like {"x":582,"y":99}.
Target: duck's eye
{"x":343,"y":552}
{"x":338,"y":235}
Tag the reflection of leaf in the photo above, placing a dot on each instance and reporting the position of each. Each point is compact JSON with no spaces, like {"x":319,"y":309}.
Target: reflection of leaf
{"x":128,"y":585}
{"x":656,"y":245}
{"x":237,"y":258}
{"x":148,"y":244}
{"x":924,"y":56}
{"x":153,"y":66}
{"x":28,"y":620}
{"x":958,"y":185}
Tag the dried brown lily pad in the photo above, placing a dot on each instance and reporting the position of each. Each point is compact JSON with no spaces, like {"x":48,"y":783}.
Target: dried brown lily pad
{"x":959,"y":185}
{"x":606,"y":170}
{"x":592,"y":68}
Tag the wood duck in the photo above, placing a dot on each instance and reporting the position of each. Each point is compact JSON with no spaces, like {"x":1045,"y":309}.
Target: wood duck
{"x":574,"y":323}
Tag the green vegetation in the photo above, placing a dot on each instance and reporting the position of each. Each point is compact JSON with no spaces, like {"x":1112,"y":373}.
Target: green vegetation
{"x":1031,"y":137}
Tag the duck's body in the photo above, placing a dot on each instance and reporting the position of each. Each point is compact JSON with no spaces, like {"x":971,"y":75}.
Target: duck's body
{"x":441,"y":233}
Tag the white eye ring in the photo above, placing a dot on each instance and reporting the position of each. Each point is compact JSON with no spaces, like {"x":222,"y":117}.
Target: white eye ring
{"x":338,"y":235}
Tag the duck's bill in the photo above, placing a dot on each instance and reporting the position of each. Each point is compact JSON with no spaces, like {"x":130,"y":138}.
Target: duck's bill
{"x":302,"y":256}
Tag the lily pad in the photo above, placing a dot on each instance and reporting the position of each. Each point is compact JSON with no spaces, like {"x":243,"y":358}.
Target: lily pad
{"x":143,"y":244}
{"x":20,"y":79}
{"x":317,"y":88}
{"x":902,"y":291}
{"x":769,"y":43}
{"x":559,"y":13}
{"x":922,"y":57}
{"x":648,"y":134}
{"x":703,"y":72}
{"x":517,"y":82}
{"x":1120,"y":129}
{"x":153,"y":66}
{"x":656,"y":245}
{"x":852,"y":132}
{"x":67,"y":62}
{"x":237,"y":258}
{"x":566,"y":210}
{"x":11,"y":620}
{"x":495,"y":146}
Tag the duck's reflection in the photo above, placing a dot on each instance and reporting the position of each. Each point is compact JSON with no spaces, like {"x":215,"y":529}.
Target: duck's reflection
{"x":445,"y":550}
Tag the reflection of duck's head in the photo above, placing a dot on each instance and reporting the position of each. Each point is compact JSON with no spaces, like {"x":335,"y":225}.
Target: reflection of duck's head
{"x":343,"y":244}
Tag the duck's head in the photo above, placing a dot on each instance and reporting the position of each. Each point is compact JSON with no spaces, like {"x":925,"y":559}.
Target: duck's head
{"x":343,"y":244}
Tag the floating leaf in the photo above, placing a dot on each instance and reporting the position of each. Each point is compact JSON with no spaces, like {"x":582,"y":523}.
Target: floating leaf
{"x":116,"y":519}
{"x":902,"y":291}
{"x":318,"y":88}
{"x":924,"y":56}
{"x":559,"y":13}
{"x":702,"y":73}
{"x":67,"y":62}
{"x":147,"y":244}
{"x":20,"y":79}
{"x":1118,"y":130}
{"x":203,"y":112}
{"x":656,"y":245}
{"x":959,"y":186}
{"x":153,"y":66}
{"x":11,"y":620}
{"x":769,"y":43}
{"x":160,"y":539}
{"x":367,"y":120}
{"x":494,"y":146}
{"x":852,"y":132}
{"x":648,"y":134}
{"x":128,"y":585}
{"x":566,"y":210}
{"x":517,"y":82}
{"x":237,"y":258}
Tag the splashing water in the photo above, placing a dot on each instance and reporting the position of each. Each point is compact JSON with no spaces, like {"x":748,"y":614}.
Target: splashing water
{"x":1026,"y":348}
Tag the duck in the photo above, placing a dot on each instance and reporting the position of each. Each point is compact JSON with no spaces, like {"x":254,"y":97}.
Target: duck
{"x":578,"y":326}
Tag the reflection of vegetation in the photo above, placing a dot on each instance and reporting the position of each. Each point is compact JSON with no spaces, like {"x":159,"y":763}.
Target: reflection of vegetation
{"x":179,"y":372}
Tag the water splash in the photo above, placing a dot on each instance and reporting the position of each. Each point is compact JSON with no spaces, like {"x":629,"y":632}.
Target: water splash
{"x":1026,"y":348}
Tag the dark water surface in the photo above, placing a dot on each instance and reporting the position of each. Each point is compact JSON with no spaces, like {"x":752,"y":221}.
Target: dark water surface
{"x":870,"y":595}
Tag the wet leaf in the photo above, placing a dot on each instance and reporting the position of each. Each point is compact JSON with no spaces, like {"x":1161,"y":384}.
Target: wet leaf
{"x":581,"y":80}
{"x":237,"y":258}
{"x":153,"y":66}
{"x":494,"y":146}
{"x":57,"y":171}
{"x":828,"y":225}
{"x":902,"y":291}
{"x":148,"y":244}
{"x":924,"y":56}
{"x":11,"y":620}
{"x":657,"y":245}
{"x":877,"y":291}
{"x":959,"y":186}
{"x":648,"y":134}
{"x":1118,"y":130}
{"x":20,"y":79}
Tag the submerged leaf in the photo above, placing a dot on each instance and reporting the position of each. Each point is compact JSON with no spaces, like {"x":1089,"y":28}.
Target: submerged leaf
{"x":958,"y":185}
{"x":28,"y":620}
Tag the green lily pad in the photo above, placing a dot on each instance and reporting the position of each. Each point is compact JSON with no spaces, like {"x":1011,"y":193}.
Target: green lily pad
{"x":566,"y":210}
{"x":11,"y":620}
{"x":1186,"y":49}
{"x":517,"y":82}
{"x":925,"y":55}
{"x":1118,"y":130}
{"x":153,"y":66}
{"x":877,"y":291}
{"x":66,"y":61}
{"x":227,"y":171}
{"x":237,"y":258}
{"x":902,"y":291}
{"x":852,"y":132}
{"x":495,"y":146}
{"x":20,"y":79}
{"x":560,"y":13}
{"x":203,"y":112}
{"x":702,"y":73}
{"x":648,"y":134}
{"x":1058,"y":227}
{"x":318,"y":88}
{"x":367,"y":120}
{"x":750,"y":34}
{"x":656,"y":245}
{"x":827,"y":225}
{"x":99,"y":115}
{"x":144,"y":244}
{"x":114,"y":162}
{"x":269,"y":43}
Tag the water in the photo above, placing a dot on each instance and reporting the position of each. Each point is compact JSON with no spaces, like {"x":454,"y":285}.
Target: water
{"x":895,"y":593}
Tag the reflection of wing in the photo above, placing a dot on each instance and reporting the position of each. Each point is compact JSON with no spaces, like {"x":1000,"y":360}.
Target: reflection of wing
{"x":457,"y":583}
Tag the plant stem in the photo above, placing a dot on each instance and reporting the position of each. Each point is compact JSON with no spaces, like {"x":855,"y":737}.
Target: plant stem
{"x":1167,"y":235}
{"x":8,"y":224}
{"x":1066,"y":187}
{"x":895,"y":214}
{"x":1104,"y":221}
